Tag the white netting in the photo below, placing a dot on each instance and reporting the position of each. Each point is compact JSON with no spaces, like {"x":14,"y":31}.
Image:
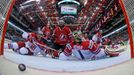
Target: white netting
{"x":4,"y":6}
{"x":129,"y":5}
{"x":1,"y":25}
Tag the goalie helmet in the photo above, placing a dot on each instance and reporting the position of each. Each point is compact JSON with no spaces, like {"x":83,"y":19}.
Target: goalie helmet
{"x":61,"y":23}
{"x":77,"y":37}
{"x":25,"y":35}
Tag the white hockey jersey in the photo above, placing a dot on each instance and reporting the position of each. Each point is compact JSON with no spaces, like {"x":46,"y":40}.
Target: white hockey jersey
{"x":85,"y":50}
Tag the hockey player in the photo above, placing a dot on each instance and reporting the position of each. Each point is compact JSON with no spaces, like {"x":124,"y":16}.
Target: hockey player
{"x":18,"y":47}
{"x":46,"y":34}
{"x":85,"y":50}
{"x":28,"y":47}
{"x":46,"y":31}
{"x":32,"y":46}
{"x":97,"y":38}
{"x":62,"y":35}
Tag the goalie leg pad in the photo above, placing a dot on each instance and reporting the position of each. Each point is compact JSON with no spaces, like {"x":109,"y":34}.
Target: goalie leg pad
{"x":63,"y":57}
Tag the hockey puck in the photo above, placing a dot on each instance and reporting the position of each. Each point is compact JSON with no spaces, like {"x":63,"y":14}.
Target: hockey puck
{"x":22,"y":67}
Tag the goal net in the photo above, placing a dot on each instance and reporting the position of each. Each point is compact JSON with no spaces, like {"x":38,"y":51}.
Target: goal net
{"x":4,"y":6}
{"x":129,"y":6}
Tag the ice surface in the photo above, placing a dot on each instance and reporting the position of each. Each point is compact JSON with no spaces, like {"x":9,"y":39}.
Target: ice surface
{"x":47,"y":63}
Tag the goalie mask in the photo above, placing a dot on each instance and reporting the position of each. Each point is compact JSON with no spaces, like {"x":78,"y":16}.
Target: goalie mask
{"x":77,"y":40}
{"x":61,"y":23}
{"x":77,"y":37}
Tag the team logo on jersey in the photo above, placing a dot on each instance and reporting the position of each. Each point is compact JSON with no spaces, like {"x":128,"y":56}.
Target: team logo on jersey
{"x":90,"y":45}
{"x":62,"y":37}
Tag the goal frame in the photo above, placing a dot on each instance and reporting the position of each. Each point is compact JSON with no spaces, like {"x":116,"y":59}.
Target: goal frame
{"x":120,"y":2}
{"x":128,"y":27}
{"x":9,"y":10}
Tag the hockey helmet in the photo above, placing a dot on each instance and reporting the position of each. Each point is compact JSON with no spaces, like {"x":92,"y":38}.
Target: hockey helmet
{"x":25,"y":35}
{"x":61,"y":22}
{"x":77,"y":37}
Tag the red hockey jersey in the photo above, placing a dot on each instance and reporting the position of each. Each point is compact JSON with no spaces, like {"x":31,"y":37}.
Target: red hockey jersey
{"x":85,"y":47}
{"x":46,"y":31}
{"x":62,"y":36}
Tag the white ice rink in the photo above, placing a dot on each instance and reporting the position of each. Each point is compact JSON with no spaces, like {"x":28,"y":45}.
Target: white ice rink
{"x":49,"y":64}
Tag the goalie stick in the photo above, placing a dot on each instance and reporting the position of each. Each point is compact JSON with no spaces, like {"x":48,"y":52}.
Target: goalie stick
{"x":121,"y":50}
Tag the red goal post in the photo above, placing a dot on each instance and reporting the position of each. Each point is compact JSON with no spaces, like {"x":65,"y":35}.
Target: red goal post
{"x":127,"y":7}
{"x":5,"y":10}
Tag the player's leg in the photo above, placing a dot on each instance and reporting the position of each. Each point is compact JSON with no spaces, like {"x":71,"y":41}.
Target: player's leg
{"x":36,"y":49}
{"x":56,"y":46}
{"x":62,"y":56}
{"x":15,"y":45}
{"x":112,"y":54}
{"x":101,"y":54}
{"x":25,"y":51}
{"x":53,"y":53}
{"x":43,"y":52}
{"x":104,"y":53}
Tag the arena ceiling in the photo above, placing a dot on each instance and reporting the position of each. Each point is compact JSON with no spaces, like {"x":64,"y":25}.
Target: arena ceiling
{"x":39,"y":12}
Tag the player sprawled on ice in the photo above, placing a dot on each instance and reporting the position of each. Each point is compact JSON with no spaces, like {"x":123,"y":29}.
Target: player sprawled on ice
{"x":32,"y":46}
{"x":85,"y":50}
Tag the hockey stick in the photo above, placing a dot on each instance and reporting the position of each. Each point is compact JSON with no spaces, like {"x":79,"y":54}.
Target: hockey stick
{"x":50,"y":50}
{"x":44,"y":46}
{"x":121,"y":50}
